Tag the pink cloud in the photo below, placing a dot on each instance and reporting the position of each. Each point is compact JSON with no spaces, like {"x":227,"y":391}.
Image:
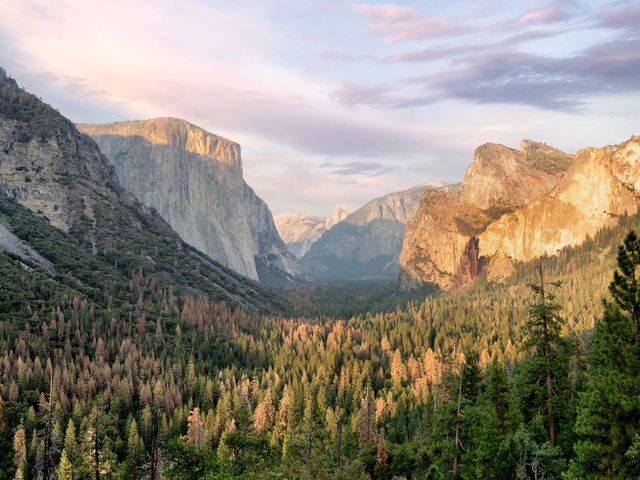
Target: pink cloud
{"x":549,"y":14}
{"x":400,"y":24}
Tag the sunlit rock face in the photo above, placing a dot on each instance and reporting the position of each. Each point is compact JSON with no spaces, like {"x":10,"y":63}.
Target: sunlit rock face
{"x":446,"y":241}
{"x":193,"y":178}
{"x":504,"y":178}
{"x":601,"y":185}
{"x":367,"y":243}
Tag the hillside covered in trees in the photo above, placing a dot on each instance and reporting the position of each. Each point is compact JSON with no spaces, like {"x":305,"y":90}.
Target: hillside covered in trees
{"x":106,"y":375}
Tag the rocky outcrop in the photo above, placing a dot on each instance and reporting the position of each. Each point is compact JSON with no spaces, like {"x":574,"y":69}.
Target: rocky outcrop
{"x":443,"y":243}
{"x":437,"y":238}
{"x":502,"y":178}
{"x":194,"y":180}
{"x":51,"y":169}
{"x":300,"y":230}
{"x":367,"y":243}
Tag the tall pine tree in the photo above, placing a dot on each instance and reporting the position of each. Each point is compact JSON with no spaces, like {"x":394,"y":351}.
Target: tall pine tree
{"x":544,"y":327}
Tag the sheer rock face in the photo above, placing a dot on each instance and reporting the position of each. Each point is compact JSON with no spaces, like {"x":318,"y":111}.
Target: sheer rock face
{"x":437,"y":239}
{"x":443,"y":243}
{"x":367,"y":243}
{"x":60,"y":174}
{"x":194,"y":180}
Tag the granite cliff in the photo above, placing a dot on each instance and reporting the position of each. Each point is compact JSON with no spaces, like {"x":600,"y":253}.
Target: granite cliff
{"x":441,"y":243}
{"x":193,"y":179}
{"x":517,"y":206}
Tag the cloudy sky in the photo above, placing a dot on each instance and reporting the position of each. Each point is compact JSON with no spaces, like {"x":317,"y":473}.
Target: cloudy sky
{"x":337,"y":102}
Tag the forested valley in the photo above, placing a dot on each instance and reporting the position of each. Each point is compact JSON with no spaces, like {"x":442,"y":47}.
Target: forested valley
{"x":115,"y":376}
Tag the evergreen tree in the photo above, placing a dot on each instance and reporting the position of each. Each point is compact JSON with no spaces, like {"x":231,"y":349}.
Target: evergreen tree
{"x":71,"y":445}
{"x":20,"y":452}
{"x":498,"y":393}
{"x":470,"y":377}
{"x":65,"y":469}
{"x":433,"y":473}
{"x":263,"y":415}
{"x":609,"y":412}
{"x":6,"y":457}
{"x":195,"y":429}
{"x":366,"y":420}
{"x":135,"y":450}
{"x":544,"y":327}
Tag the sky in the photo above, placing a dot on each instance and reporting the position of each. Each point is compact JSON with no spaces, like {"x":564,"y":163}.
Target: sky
{"x":338,"y":102}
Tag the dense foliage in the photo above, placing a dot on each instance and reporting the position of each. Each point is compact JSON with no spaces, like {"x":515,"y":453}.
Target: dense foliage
{"x":107,"y":375}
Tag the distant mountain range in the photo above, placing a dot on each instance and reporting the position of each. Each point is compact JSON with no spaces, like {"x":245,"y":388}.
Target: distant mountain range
{"x":367,"y":243}
{"x":300,"y":230}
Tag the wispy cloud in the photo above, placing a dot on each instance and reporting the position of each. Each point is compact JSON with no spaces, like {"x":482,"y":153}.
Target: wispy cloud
{"x":625,"y":17}
{"x":553,"y":83}
{"x":368,"y":168}
{"x":212,"y":87}
{"x":353,"y":94}
{"x":563,"y":84}
{"x":548,"y":14}
{"x":432,"y":54}
{"x":400,"y":24}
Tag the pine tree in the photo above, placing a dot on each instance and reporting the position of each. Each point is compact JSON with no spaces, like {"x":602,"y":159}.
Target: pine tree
{"x":609,"y":412}
{"x":195,"y":429}
{"x":334,"y":427}
{"x":366,"y":420}
{"x":225,"y":451}
{"x":498,"y":392}
{"x":433,"y":473}
{"x":398,"y":368}
{"x":263,"y":415}
{"x":470,"y":377}
{"x":309,"y":422}
{"x":71,"y":444}
{"x":544,"y":327}
{"x":135,"y":449}
{"x":382,"y":452}
{"x":20,"y":451}
{"x":625,"y":288}
{"x":65,"y":469}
